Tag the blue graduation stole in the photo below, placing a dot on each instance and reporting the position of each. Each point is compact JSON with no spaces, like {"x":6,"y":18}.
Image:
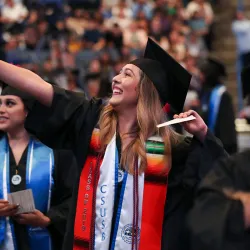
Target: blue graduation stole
{"x":39,"y":170}
{"x":214,"y":104}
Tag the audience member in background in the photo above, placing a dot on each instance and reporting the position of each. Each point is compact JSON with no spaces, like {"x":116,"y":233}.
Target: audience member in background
{"x":115,"y":36}
{"x":193,"y":100}
{"x":85,"y":55}
{"x":177,"y":41}
{"x":155,"y":28}
{"x":197,"y":23}
{"x":164,"y":43}
{"x":106,"y":67}
{"x":135,"y":38}
{"x":202,"y":11}
{"x":217,"y":107}
{"x":97,"y":82}
{"x":31,"y":37}
{"x":47,"y":71}
{"x":110,"y":52}
{"x":74,"y":44}
{"x":241,"y":29}
{"x":144,"y":6}
{"x":126,"y":53}
{"x":191,"y":65}
{"x":196,"y":46}
{"x":72,"y":80}
{"x":245,"y":78}
{"x":33,"y":17}
{"x":77,"y":22}
{"x":122,"y":14}
{"x":92,"y":85}
{"x":93,"y":34}
{"x":201,"y":6}
{"x":95,"y":66}
{"x":13,"y":12}
{"x":105,"y":90}
{"x":60,"y":30}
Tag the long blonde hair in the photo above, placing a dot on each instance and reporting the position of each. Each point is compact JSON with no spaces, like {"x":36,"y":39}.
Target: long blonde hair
{"x":149,"y":115}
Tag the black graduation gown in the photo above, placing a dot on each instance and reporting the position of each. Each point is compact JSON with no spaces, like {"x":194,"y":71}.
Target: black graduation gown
{"x":217,"y":222}
{"x":64,"y":177}
{"x":69,"y":123}
{"x":225,"y":124}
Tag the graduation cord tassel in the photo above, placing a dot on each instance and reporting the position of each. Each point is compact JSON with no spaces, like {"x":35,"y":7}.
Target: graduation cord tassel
{"x":96,"y":177}
{"x":134,"y":211}
{"x":137,"y":205}
{"x":135,"y":228}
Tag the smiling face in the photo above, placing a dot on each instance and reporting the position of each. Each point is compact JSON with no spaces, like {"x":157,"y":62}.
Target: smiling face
{"x":124,"y":86}
{"x":12,"y":113}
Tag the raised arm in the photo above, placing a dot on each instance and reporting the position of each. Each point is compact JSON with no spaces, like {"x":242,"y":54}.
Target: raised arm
{"x":26,"y":81}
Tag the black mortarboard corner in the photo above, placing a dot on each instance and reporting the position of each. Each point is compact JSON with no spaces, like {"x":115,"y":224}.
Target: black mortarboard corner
{"x":27,"y":99}
{"x":245,"y":79}
{"x":169,"y":77}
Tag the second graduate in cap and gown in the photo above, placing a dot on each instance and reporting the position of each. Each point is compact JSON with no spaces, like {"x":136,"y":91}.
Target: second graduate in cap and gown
{"x":220,"y":218}
{"x":245,"y":76}
{"x":217,"y":106}
{"x":136,"y":182}
{"x":26,"y":163}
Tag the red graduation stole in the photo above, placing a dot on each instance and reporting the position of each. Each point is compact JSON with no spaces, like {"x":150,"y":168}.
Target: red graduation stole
{"x":154,"y":197}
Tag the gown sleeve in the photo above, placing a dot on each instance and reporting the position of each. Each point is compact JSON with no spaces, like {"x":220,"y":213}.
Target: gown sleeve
{"x":201,"y":158}
{"x":59,"y":125}
{"x":192,"y":160}
{"x":216,"y":221}
{"x":64,"y":178}
{"x":225,"y":125}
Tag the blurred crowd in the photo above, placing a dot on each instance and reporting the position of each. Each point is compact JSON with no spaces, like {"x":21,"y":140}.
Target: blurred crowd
{"x":241,"y":30}
{"x":81,"y":45}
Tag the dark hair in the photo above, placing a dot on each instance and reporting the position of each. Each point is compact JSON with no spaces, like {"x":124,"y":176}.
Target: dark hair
{"x":27,"y":100}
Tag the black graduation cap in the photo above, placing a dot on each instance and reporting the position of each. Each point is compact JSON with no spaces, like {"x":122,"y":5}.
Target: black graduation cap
{"x":27,"y":99}
{"x":221,"y":69}
{"x":245,"y":79}
{"x":169,"y":77}
{"x":213,"y":68}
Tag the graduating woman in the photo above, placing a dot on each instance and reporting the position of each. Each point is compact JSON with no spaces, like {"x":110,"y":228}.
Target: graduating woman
{"x":26,"y":163}
{"x":125,"y":197}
